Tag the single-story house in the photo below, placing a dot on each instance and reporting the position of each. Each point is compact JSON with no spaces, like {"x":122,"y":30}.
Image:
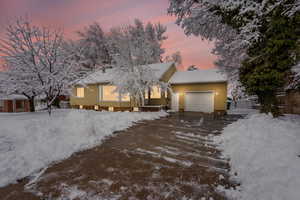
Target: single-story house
{"x":196,"y":91}
{"x":14,"y":103}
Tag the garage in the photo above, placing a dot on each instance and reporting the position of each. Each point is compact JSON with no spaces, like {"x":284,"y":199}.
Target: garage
{"x":199,"y":102}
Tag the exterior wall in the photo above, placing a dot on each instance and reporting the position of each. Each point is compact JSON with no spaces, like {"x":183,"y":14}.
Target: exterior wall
{"x":157,"y":102}
{"x":91,"y":98}
{"x":165,"y":78}
{"x":220,"y":90}
{"x":9,"y":106}
{"x":169,"y":73}
{"x":91,"y":95}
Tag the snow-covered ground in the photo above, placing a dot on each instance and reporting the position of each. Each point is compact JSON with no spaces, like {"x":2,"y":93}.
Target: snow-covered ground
{"x":265,"y":154}
{"x":32,"y":141}
{"x":242,"y":111}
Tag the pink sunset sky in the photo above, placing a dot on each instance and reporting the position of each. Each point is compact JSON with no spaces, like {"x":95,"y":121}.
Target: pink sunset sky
{"x":74,"y":15}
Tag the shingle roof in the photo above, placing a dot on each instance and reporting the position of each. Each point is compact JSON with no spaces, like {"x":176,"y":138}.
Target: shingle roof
{"x":198,"y":76}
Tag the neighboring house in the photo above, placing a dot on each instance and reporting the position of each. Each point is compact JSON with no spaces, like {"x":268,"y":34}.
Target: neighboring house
{"x":14,"y":103}
{"x":199,"y":91}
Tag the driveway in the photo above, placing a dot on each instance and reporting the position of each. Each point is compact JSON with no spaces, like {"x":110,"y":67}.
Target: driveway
{"x":170,"y":158}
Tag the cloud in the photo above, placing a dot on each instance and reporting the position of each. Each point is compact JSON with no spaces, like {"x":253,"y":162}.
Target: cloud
{"x":73,"y":15}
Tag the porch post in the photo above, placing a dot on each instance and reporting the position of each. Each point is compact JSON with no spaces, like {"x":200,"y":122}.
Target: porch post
{"x":14,"y":105}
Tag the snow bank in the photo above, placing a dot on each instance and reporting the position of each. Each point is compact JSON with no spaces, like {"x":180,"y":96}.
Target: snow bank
{"x":29,"y":142}
{"x":241,"y":111}
{"x":264,"y":152}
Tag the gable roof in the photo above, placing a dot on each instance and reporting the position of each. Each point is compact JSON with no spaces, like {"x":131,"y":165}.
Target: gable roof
{"x":105,"y":77}
{"x":198,"y":76}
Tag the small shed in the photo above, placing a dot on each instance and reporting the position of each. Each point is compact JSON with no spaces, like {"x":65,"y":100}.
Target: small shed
{"x":14,"y":103}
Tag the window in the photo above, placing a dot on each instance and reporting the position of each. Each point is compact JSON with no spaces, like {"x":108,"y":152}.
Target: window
{"x":155,"y":92}
{"x":147,"y":94}
{"x":125,"y":97}
{"x":80,"y":92}
{"x":20,"y":104}
{"x":108,"y":93}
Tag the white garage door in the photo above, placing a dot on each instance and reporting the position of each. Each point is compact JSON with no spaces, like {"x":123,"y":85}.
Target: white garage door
{"x":199,"y":102}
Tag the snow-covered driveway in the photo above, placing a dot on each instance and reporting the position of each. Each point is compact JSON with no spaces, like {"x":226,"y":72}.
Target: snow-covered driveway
{"x":31,"y":141}
{"x":173,"y":158}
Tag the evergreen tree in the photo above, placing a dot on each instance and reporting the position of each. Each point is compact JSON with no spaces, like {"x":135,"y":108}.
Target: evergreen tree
{"x":271,"y":58}
{"x":256,"y":41}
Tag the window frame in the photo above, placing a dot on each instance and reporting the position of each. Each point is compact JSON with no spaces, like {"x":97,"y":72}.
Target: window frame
{"x":120,"y":97}
{"x":159,"y":92}
{"x":77,"y":88}
{"x":101,"y":95}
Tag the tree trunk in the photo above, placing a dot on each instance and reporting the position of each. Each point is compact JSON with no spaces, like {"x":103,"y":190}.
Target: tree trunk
{"x":31,"y":104}
{"x":49,"y":108}
{"x":49,"y":104}
{"x":269,"y":103}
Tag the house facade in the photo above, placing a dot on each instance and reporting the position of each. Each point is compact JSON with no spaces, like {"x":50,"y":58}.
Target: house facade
{"x":14,"y":103}
{"x":198,"y":91}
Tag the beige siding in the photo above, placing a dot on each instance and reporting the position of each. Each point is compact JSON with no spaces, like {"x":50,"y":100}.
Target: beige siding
{"x":165,"y":78}
{"x":169,"y":73}
{"x":91,"y":98}
{"x":220,"y":90}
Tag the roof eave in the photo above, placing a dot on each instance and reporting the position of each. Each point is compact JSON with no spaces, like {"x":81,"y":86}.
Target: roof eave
{"x":198,"y":82}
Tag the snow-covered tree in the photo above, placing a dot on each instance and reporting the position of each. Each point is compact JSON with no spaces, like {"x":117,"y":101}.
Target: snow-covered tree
{"x":247,"y":34}
{"x":151,"y":36}
{"x":175,"y":57}
{"x":294,"y":82}
{"x":236,"y":92}
{"x":233,"y":25}
{"x":132,"y":51}
{"x":155,"y":34}
{"x":95,"y":52}
{"x":192,"y":68}
{"x":19,"y":61}
{"x":39,"y":62}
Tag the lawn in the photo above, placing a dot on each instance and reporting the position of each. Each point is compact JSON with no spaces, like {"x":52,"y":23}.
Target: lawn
{"x":32,"y":141}
{"x":264,"y":155}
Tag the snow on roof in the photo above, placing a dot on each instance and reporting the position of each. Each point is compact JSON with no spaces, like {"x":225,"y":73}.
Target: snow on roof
{"x":12,"y":97}
{"x":105,"y":77}
{"x":198,"y":76}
